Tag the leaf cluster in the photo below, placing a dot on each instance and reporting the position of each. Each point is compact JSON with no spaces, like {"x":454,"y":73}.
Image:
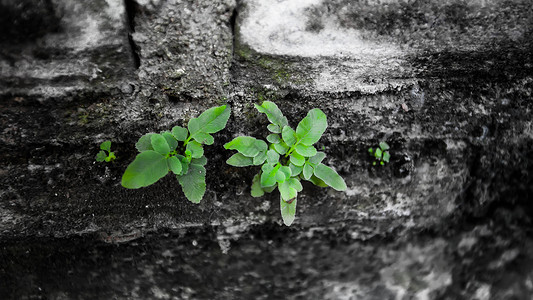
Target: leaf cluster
{"x":179,"y":151}
{"x":287,"y":158}
{"x":105,"y":153}
{"x":380,"y":154}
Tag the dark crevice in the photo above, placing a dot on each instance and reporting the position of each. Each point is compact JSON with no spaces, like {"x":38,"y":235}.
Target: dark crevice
{"x":233,"y":21}
{"x":131,"y":9}
{"x":134,"y":49}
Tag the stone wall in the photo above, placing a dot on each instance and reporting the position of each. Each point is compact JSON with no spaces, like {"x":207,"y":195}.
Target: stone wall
{"x":448,"y":84}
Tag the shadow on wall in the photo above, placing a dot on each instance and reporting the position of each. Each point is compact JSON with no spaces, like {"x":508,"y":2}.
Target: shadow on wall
{"x":26,"y":20}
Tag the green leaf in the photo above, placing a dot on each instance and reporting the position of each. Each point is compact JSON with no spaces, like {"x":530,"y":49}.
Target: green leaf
{"x":256,"y":190}
{"x":297,"y":159}
{"x":188,"y":155}
{"x":184,"y":164}
{"x":147,"y":168}
{"x":317,"y":181}
{"x":239,"y":160}
{"x":286,"y":171}
{"x":106,"y":146}
{"x":330,"y":177}
{"x":371,"y":151}
{"x":307,"y":151}
{"x":295,"y":184}
{"x":111,"y":156}
{"x":247,"y":145}
{"x":159,"y":143}
{"x":289,"y":136}
{"x":204,"y":138}
{"x":272,"y":157}
{"x":270,"y":189}
{"x":318,"y":158}
{"x":202,"y":161}
{"x":378,"y":153}
{"x":311,"y":128}
{"x":210,"y":121}
{"x":281,"y":148}
{"x":196,"y":149}
{"x":193,"y":183}
{"x":273,"y":113}
{"x":286,"y":190}
{"x":273,"y":138}
{"x":295,"y":170}
{"x":171,"y":140}
{"x":268,"y":176}
{"x":273,"y":128}
{"x":180,"y":133}
{"x":384,"y":146}
{"x":308,"y":171}
{"x":174,"y":165}
{"x":260,"y":158}
{"x":100,"y":156}
{"x":280,"y":177}
{"x":386,"y":156}
{"x":288,"y":211}
{"x":145,"y":142}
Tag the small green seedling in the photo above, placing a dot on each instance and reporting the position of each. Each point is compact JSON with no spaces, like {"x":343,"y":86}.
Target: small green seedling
{"x":105,"y":153}
{"x":288,"y":157}
{"x":179,"y":151}
{"x":380,"y":154}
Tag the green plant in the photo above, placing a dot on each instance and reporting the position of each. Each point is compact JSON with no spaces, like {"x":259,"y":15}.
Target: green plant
{"x":179,"y":151}
{"x":105,"y":153}
{"x":380,"y":154}
{"x":288,"y":158}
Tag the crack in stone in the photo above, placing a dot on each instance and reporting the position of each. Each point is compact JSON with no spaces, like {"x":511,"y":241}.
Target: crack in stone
{"x":131,"y":8}
{"x":233,"y":22}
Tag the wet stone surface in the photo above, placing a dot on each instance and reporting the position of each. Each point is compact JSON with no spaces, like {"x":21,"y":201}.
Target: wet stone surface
{"x":447,"y":84}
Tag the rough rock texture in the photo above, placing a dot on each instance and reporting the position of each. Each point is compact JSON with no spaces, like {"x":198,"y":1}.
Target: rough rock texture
{"x":448,"y":84}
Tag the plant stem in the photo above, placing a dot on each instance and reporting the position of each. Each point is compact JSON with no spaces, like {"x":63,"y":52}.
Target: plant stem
{"x":187,"y":140}
{"x":291,"y":149}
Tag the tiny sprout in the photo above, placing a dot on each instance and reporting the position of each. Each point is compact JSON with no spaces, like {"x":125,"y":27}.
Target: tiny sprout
{"x":381,"y":154}
{"x":105,"y":153}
